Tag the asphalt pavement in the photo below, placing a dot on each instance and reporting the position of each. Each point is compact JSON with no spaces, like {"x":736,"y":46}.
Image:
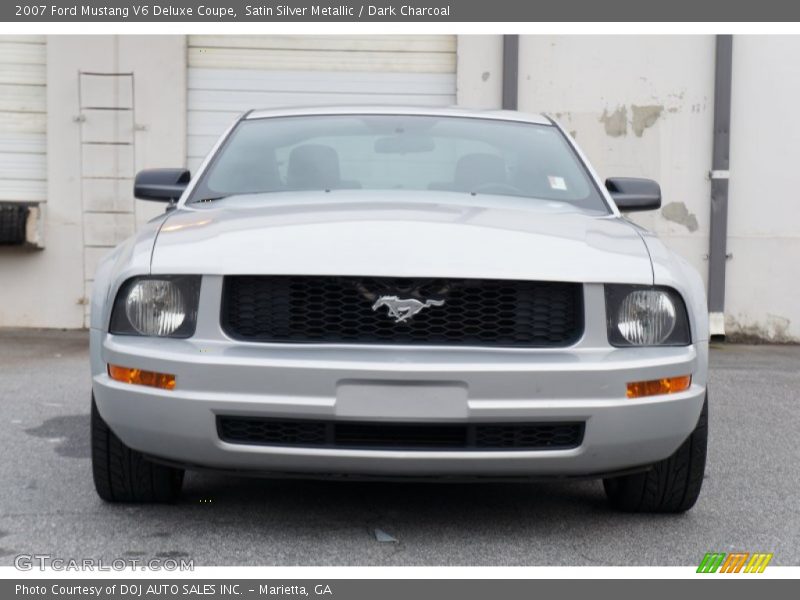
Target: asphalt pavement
{"x":750,"y":499}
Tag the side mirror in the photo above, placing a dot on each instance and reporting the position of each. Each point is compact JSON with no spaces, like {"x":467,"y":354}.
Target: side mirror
{"x":161,"y":185}
{"x":632,"y":194}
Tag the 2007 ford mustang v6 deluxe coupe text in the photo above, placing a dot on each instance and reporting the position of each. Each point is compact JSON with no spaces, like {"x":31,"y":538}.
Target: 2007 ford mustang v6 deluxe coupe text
{"x":397,"y":292}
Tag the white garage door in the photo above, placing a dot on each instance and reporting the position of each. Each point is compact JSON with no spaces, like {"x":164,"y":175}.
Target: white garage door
{"x":23,"y":119}
{"x":232,"y":74}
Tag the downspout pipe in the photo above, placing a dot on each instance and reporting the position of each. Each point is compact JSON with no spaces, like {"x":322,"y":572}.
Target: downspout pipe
{"x":510,"y":72}
{"x":720,"y":165}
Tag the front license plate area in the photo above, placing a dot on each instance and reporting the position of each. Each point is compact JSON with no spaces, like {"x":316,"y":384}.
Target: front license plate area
{"x":410,"y":401}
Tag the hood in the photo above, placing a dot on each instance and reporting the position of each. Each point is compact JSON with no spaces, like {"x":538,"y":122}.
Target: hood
{"x":400,"y":234}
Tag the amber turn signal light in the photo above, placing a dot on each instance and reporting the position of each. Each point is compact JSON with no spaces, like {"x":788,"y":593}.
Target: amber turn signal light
{"x":165,"y":381}
{"x":670,"y":385}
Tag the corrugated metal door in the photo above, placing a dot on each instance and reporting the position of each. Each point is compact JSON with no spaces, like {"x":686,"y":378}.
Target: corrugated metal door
{"x":23,"y":118}
{"x":231,"y":74}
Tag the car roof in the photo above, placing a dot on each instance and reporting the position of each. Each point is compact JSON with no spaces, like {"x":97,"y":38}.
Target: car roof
{"x":500,"y":115}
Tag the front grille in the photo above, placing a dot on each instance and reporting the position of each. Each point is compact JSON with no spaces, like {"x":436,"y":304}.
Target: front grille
{"x":324,"y":309}
{"x":307,"y":433}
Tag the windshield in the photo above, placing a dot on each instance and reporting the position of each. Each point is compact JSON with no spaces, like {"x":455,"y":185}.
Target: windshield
{"x":399,"y":152}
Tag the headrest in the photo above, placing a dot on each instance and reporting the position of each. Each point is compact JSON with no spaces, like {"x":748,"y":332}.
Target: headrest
{"x":473,"y":170}
{"x":313,"y":166}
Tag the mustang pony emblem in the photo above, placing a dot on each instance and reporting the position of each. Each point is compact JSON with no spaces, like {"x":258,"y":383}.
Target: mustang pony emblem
{"x":402,"y":309}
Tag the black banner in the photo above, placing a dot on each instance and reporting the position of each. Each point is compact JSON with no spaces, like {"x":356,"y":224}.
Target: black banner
{"x":398,"y":11}
{"x":731,"y":587}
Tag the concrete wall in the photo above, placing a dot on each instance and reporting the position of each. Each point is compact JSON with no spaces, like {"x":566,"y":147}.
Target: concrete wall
{"x":763,"y":287}
{"x":45,"y":287}
{"x":479,"y":71}
{"x":91,"y":157}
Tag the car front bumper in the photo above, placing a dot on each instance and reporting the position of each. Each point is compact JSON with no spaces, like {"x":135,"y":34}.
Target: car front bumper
{"x":222,"y":377}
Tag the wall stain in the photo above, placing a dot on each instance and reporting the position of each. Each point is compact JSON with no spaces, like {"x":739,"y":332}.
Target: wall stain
{"x":485,"y":76}
{"x":644,"y":117}
{"x":615,"y":123}
{"x":775,"y":330}
{"x":678,"y":213}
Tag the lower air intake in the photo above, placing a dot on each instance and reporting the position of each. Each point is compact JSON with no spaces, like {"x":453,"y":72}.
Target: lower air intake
{"x":307,"y":433}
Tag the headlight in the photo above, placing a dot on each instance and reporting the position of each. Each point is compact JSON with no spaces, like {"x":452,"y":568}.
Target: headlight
{"x":157,"y":306}
{"x":646,"y":316}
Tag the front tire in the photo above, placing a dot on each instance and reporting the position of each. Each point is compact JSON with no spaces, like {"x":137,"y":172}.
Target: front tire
{"x":671,"y":485}
{"x":125,"y":475}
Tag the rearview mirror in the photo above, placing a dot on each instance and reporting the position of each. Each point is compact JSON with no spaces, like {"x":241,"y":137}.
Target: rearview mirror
{"x":631,"y":194}
{"x":161,"y":185}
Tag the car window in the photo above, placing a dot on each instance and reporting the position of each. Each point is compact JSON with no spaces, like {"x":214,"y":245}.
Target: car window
{"x":399,"y":152}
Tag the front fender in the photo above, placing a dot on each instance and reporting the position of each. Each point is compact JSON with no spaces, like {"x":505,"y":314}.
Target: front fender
{"x":131,"y":257}
{"x":672,"y":270}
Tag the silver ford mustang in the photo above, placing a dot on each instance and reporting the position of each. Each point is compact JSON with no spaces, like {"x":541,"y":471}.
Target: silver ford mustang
{"x":394,"y":292}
